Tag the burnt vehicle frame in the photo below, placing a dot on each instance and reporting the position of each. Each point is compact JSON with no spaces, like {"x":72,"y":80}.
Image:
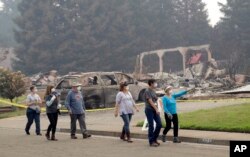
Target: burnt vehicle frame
{"x":100,"y":88}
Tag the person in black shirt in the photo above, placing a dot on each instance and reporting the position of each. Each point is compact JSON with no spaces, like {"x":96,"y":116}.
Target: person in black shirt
{"x":152,"y":114}
{"x":52,"y":105}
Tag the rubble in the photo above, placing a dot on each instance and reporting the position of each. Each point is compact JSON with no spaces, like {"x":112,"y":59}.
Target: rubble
{"x":207,"y":75}
{"x":205,"y":78}
{"x":44,"y":79}
{"x":243,"y":89}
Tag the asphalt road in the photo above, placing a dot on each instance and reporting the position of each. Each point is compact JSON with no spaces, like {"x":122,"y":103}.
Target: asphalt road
{"x":13,"y":143}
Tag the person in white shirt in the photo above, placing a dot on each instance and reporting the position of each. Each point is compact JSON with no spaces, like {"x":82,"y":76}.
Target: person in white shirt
{"x":33,"y":111}
{"x":125,"y":105}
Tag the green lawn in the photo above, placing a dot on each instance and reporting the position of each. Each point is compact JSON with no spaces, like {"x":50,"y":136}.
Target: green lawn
{"x":3,"y":105}
{"x":20,"y":100}
{"x":17,"y":112}
{"x":229,"y":118}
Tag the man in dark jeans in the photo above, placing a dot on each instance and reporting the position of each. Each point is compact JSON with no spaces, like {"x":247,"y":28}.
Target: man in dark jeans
{"x":75,"y":105}
{"x":152,"y":114}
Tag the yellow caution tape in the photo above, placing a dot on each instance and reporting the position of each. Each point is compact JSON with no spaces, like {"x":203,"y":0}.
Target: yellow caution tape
{"x":44,"y":109}
{"x":13,"y":104}
{"x":105,"y":109}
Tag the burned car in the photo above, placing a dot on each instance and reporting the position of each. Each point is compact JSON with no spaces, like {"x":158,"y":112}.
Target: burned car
{"x":100,"y":88}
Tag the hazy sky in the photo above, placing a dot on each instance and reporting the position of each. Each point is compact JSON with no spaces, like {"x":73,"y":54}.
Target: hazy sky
{"x":213,"y":10}
{"x":1,"y":5}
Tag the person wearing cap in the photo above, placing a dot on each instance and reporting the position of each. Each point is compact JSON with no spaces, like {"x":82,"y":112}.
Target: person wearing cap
{"x":152,"y":113}
{"x":52,"y":110}
{"x":170,"y":112}
{"x":124,"y":105}
{"x":75,"y":105}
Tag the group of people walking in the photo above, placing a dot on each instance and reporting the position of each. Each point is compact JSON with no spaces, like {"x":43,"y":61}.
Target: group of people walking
{"x":125,"y":106}
{"x":74,"y":103}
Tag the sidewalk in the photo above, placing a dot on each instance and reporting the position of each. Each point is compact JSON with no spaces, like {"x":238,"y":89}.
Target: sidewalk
{"x":191,"y":136}
{"x":104,"y":124}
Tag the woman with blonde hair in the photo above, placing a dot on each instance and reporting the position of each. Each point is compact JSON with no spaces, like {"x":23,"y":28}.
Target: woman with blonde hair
{"x":170,"y":111}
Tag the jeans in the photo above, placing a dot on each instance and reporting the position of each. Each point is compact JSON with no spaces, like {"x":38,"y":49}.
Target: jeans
{"x":153,"y":133}
{"x":126,"y":119}
{"x":82,"y":124}
{"x":53,"y":117}
{"x":33,"y":115}
{"x":169,"y":123}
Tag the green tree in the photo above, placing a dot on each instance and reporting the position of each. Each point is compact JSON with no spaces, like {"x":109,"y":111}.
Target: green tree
{"x":192,"y":22}
{"x":232,"y":34}
{"x":100,"y":35}
{"x":12,"y":84}
{"x":7,"y":26}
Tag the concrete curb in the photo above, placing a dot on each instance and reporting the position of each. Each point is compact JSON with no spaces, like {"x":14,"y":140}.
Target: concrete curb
{"x":144,"y":136}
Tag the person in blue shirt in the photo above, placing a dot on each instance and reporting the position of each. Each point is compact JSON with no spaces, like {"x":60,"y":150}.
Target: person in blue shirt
{"x":170,"y":112}
{"x":76,"y":107}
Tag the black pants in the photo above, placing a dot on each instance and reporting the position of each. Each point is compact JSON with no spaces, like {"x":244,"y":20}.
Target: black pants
{"x":169,"y":124}
{"x":53,"y":122}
